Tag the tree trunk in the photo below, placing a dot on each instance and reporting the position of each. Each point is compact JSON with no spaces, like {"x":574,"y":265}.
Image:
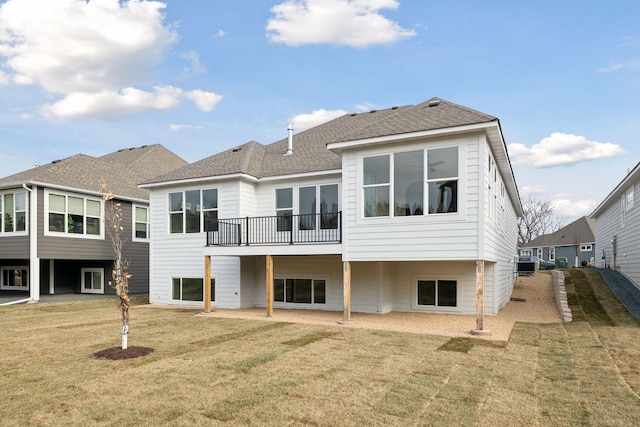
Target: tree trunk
{"x":124,"y":302}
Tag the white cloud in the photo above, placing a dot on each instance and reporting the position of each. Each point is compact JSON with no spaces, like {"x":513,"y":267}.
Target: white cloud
{"x":220,"y":33}
{"x":619,"y":66}
{"x":366,"y":106}
{"x":562,"y":149}
{"x":195,"y":66}
{"x":4,"y":78}
{"x":71,"y":46}
{"x":173,"y":127}
{"x":127,"y":101}
{"x":91,"y":54}
{"x":206,"y":101}
{"x":306,"y":121}
{"x":564,"y":205}
{"x":356,"y":23}
{"x":611,"y":68}
{"x":532,"y":189}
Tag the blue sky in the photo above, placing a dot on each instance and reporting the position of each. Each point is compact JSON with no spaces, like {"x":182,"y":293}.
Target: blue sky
{"x":202,"y":76}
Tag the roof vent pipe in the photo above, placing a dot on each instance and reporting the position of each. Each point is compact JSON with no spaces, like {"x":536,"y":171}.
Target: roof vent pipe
{"x":290,"y":144}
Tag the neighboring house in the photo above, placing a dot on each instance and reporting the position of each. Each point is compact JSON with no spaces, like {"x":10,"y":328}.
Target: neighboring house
{"x":52,"y":233}
{"x":412,"y":208}
{"x":576,"y":242}
{"x":618,"y":228}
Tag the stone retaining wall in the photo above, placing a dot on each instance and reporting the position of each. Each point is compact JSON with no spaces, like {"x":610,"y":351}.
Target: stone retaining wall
{"x":561,"y":295}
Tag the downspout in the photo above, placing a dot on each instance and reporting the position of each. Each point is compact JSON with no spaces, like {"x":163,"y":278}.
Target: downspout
{"x":34,"y":261}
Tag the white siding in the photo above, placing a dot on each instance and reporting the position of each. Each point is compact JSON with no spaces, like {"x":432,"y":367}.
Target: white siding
{"x":429,"y":237}
{"x":247,"y":199}
{"x":181,"y":255}
{"x":609,"y":226}
{"x":407,"y":273}
{"x":500,"y":237}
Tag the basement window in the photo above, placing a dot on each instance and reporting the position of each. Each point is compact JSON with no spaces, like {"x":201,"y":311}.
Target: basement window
{"x":299,"y":291}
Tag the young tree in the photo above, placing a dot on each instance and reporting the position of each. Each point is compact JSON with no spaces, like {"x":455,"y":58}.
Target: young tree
{"x":119,"y":274}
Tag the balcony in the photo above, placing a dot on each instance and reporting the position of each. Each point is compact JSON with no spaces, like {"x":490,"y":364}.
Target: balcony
{"x":275,"y":230}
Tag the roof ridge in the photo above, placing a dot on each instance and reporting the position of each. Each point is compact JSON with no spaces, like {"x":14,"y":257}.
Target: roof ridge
{"x":463,"y":107}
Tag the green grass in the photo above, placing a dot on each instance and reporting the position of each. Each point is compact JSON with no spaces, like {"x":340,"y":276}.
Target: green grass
{"x":215,"y":371}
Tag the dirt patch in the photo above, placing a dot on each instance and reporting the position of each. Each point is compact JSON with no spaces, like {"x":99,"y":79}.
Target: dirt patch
{"x":117,"y":353}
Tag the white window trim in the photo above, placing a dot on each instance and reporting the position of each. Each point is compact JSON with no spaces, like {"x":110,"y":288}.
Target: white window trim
{"x":586,"y":248}
{"x":91,"y":291}
{"x":26,"y":211}
{"x":134,"y":238}
{"x":5,"y":287}
{"x":435,"y":308}
{"x":448,"y":216}
{"x":526,"y":252}
{"x":296,"y":195}
{"x":48,"y":232}
{"x":312,"y":277}
{"x":189,"y":302}
{"x":168,"y":212}
{"x":629,"y":199}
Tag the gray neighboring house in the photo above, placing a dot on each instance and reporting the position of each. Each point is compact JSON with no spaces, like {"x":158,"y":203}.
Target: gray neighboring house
{"x":576,"y":242}
{"x":618,"y":228}
{"x":52,"y":233}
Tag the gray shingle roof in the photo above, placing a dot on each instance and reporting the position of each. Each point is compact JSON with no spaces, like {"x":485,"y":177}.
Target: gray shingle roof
{"x":310,"y":153}
{"x":579,"y":231}
{"x":245,"y":158}
{"x":429,"y":115}
{"x":122,"y":170}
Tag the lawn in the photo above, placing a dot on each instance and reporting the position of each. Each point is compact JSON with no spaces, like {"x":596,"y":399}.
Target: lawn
{"x":214,"y":371}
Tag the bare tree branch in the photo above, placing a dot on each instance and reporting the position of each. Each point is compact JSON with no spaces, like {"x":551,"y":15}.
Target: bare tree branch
{"x":537,"y":219}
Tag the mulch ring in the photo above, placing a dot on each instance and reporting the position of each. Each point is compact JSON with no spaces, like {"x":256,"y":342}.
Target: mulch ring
{"x":117,"y":353}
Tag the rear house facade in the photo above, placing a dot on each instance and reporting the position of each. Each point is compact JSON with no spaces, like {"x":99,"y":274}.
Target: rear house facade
{"x":52,"y":233}
{"x":574,"y":242}
{"x":411,"y":208}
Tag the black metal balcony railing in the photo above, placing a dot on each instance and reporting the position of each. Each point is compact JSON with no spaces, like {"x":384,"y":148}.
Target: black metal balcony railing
{"x":279,"y":229}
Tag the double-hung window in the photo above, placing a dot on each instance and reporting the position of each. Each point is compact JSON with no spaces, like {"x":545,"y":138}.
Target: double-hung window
{"x":376,"y":185}
{"x":317,"y":207}
{"x":408,"y":183}
{"x":406,"y":180}
{"x":329,"y":207}
{"x":74,"y":215}
{"x":193,"y":211}
{"x":284,"y":208}
{"x":442,"y":178}
{"x":141,"y":222}
{"x":13,"y":211}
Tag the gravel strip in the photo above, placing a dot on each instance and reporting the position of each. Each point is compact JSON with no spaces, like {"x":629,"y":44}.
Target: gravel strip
{"x":532,"y":301}
{"x":626,"y":292}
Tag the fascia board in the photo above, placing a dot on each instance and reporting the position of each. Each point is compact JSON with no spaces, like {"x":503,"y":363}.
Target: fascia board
{"x":179,"y":182}
{"x":339,"y":146}
{"x":302,"y":175}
